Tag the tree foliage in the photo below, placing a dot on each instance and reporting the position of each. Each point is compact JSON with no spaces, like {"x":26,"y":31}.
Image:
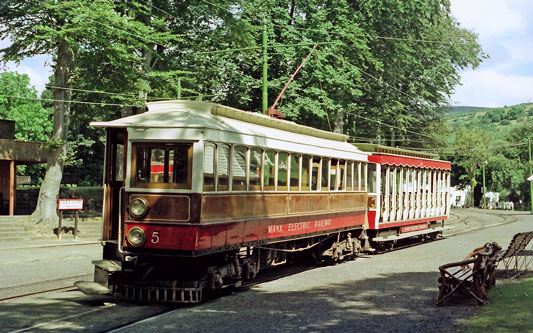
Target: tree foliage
{"x":381,"y":72}
{"x":32,"y":121}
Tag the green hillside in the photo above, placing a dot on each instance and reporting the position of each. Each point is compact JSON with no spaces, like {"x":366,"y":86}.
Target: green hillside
{"x":497,"y":121}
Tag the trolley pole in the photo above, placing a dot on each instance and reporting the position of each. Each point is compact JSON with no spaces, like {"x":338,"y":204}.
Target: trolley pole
{"x":179,"y":88}
{"x":484,"y":203}
{"x":265,"y":68}
{"x":531,"y":173}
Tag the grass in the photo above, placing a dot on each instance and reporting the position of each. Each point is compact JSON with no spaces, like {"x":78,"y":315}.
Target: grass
{"x":510,"y":309}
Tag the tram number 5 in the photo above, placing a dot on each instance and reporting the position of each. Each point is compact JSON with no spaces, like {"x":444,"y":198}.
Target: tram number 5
{"x":155,"y":237}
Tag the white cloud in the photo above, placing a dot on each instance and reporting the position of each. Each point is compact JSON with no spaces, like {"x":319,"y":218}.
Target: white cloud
{"x":36,"y":68}
{"x":489,"y":17}
{"x":492,"y":89}
{"x":506,"y":36}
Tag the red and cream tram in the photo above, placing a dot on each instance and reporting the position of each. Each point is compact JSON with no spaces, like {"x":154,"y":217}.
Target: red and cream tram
{"x":199,"y":196}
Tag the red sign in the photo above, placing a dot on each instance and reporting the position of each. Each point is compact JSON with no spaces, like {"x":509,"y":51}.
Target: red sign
{"x":70,"y":204}
{"x":415,"y":227}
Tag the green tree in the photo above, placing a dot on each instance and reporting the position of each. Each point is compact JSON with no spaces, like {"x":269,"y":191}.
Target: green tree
{"x":390,"y":68}
{"x":19,"y":102}
{"x":72,"y":30}
{"x":471,"y":152}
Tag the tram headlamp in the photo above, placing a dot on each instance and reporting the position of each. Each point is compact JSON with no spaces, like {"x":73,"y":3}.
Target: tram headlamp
{"x":136,"y":236}
{"x":138,"y":208}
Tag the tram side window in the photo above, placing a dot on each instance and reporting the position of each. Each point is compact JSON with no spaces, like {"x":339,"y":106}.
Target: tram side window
{"x":162,"y":165}
{"x":255,"y":169}
{"x":222,"y":168}
{"x":306,"y":172}
{"x":283,"y":164}
{"x":209,"y":167}
{"x":315,"y":176}
{"x":325,"y":172}
{"x":372,"y":175}
{"x":333,"y":174}
{"x":181,"y":161}
{"x":342,"y":176}
{"x":269,"y":170}
{"x":238,"y":168}
{"x":295,"y":172}
{"x":363,"y":176}
{"x":357,"y":176}
{"x":119,"y":162}
{"x":349,"y":176}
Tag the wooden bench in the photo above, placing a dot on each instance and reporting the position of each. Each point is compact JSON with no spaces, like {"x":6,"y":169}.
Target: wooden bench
{"x":471,"y":276}
{"x":516,"y":257}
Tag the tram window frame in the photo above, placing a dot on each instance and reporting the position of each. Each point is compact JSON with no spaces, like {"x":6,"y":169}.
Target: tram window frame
{"x":223,"y":181}
{"x":295,"y":181}
{"x":209,"y":186}
{"x":118,"y":153}
{"x":341,"y":169}
{"x":357,"y":176}
{"x":315,"y":169}
{"x":282,"y":181}
{"x":324,"y":178}
{"x":349,"y":176}
{"x":333,"y":174}
{"x":364,"y":176}
{"x":141,"y":165}
{"x":269,"y":170}
{"x":255,"y":184}
{"x":238,"y":182}
{"x":306,"y":173}
{"x":372,"y":178}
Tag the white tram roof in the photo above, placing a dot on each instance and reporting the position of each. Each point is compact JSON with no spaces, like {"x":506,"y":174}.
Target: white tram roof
{"x":199,"y":114}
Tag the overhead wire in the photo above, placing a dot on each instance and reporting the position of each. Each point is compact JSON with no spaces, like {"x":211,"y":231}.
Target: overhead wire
{"x":71,"y":101}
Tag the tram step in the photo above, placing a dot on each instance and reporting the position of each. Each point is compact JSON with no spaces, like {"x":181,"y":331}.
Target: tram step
{"x":91,"y":288}
{"x":108,"y":265}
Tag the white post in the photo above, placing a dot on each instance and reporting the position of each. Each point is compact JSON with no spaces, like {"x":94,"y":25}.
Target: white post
{"x":386,"y":196}
{"x":400,"y":196}
{"x":393,"y":196}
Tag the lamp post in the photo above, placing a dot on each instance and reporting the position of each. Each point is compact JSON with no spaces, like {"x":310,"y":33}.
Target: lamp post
{"x":484,"y":203}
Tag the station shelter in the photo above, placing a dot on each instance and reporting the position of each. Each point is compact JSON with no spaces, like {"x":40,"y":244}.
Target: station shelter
{"x":12,"y":154}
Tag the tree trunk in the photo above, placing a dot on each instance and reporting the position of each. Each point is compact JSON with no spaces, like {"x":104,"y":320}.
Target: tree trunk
{"x":339,"y":122}
{"x":45,"y":213}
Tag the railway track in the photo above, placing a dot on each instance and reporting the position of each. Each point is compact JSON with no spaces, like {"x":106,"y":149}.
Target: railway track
{"x":42,"y":287}
{"x":474,"y":220}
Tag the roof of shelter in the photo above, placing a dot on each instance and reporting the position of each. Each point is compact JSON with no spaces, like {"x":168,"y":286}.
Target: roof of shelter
{"x":22,"y":151}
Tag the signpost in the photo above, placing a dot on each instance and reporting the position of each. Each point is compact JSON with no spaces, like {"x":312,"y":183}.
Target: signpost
{"x":69,"y":204}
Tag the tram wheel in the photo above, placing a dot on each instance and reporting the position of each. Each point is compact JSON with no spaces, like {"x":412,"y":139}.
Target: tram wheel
{"x":432,"y":236}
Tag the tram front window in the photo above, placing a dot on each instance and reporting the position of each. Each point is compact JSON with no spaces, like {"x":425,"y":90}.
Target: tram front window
{"x":162,"y":165}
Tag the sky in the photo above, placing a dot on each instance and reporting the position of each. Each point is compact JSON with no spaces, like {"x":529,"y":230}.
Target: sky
{"x":504,"y":31}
